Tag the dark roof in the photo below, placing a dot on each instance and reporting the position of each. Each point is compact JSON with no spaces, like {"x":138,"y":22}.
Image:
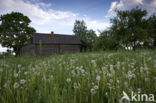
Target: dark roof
{"x":57,"y":39}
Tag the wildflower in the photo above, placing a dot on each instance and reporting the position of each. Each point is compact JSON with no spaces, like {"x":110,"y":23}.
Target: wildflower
{"x":117,"y":81}
{"x":16,"y":85}
{"x":93,"y":91}
{"x":15,"y":74}
{"x":146,"y":79}
{"x":106,"y":94}
{"x":126,"y":84}
{"x":96,"y":87}
{"x":19,"y":65}
{"x":68,"y":80}
{"x":139,"y":90}
{"x":76,"y":85}
{"x":111,"y":81}
{"x":92,"y":61}
{"x":130,"y":75}
{"x":98,"y":78}
{"x":5,"y":85}
{"x":1,"y":69}
{"x":25,"y":73}
{"x":82,"y":71}
{"x":22,"y":81}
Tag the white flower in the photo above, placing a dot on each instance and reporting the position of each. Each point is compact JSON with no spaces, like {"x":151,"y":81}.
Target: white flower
{"x":19,"y":65}
{"x":117,"y":81}
{"x":98,"y":78}
{"x":111,"y":81}
{"x":96,"y":87}
{"x":1,"y":69}
{"x":25,"y":73}
{"x":76,"y":85}
{"x":22,"y":81}
{"x":5,"y":85}
{"x":139,"y":90}
{"x":16,"y":85}
{"x":92,"y":61}
{"x":93,"y":91}
{"x":68,"y":80}
{"x":15,"y":74}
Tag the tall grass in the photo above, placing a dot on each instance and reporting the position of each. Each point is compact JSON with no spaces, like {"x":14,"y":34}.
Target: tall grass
{"x":98,"y":77}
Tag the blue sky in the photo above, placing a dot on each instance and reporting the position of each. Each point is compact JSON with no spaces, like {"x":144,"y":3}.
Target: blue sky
{"x":59,"y":15}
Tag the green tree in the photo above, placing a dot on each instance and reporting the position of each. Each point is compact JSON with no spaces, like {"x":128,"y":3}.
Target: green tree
{"x":105,"y":41}
{"x":15,"y":31}
{"x":151,"y":41}
{"x":90,"y":37}
{"x":130,"y":27}
{"x":87,"y":37}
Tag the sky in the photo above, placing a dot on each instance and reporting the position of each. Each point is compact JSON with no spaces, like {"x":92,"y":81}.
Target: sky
{"x":59,"y":15}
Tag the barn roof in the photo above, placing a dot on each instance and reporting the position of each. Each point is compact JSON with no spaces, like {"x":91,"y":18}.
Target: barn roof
{"x":57,"y":39}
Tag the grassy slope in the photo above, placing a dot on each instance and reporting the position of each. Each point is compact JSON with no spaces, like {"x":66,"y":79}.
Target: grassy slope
{"x":95,"y":77}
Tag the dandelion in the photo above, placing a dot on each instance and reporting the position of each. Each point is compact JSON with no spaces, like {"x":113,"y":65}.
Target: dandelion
{"x":146,"y":79}
{"x":96,"y":87}
{"x":15,"y":74}
{"x":106,"y":94}
{"x":16,"y":85}
{"x":19,"y":65}
{"x":117,"y":81}
{"x":68,"y":80}
{"x":25,"y":73}
{"x":5,"y":85}
{"x":111,"y":81}
{"x":22,"y":81}
{"x":139,"y":90}
{"x":1,"y":69}
{"x":76,"y":85}
{"x":93,"y":91}
{"x":98,"y":78}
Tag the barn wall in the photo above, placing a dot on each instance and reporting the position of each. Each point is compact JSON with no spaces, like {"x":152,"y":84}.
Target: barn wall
{"x":28,"y":50}
{"x":46,"y":49}
{"x":51,"y":49}
{"x":69,"y":48}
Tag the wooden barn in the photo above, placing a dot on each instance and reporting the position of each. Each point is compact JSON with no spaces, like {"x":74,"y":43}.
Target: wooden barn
{"x":50,"y":44}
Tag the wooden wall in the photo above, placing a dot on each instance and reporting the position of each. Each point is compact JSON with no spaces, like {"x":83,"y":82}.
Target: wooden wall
{"x":48,"y":49}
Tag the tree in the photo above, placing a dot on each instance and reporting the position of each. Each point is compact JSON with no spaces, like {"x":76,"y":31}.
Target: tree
{"x":105,"y":41}
{"x":15,"y":31}
{"x":151,"y":41}
{"x":86,"y":37}
{"x":129,"y":27}
{"x":90,"y":37}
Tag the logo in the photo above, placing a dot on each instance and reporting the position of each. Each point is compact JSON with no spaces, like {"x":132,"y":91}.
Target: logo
{"x":137,"y":97}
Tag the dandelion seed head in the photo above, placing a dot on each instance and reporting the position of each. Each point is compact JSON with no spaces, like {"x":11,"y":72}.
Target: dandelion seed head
{"x":16,"y":85}
{"x":98,"y":78}
{"x":68,"y":80}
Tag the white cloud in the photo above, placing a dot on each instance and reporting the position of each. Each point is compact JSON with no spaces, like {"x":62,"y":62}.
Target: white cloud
{"x":149,"y":5}
{"x":50,"y":19}
{"x":45,"y":19}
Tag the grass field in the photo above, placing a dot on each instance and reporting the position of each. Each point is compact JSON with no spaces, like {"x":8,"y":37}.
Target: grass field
{"x":99,"y":77}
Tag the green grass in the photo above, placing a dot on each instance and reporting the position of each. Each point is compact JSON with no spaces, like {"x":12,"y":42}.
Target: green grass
{"x":98,"y":77}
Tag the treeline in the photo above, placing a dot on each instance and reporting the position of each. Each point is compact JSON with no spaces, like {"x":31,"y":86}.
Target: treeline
{"x":130,"y":29}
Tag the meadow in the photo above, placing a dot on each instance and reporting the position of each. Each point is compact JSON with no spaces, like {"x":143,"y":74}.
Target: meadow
{"x":98,"y":77}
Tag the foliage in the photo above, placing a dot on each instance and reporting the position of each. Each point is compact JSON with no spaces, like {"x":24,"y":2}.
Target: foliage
{"x":151,"y":31}
{"x":15,"y":31}
{"x":105,"y":41}
{"x":87,"y":37}
{"x":130,"y":27}
{"x":98,"y":77}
